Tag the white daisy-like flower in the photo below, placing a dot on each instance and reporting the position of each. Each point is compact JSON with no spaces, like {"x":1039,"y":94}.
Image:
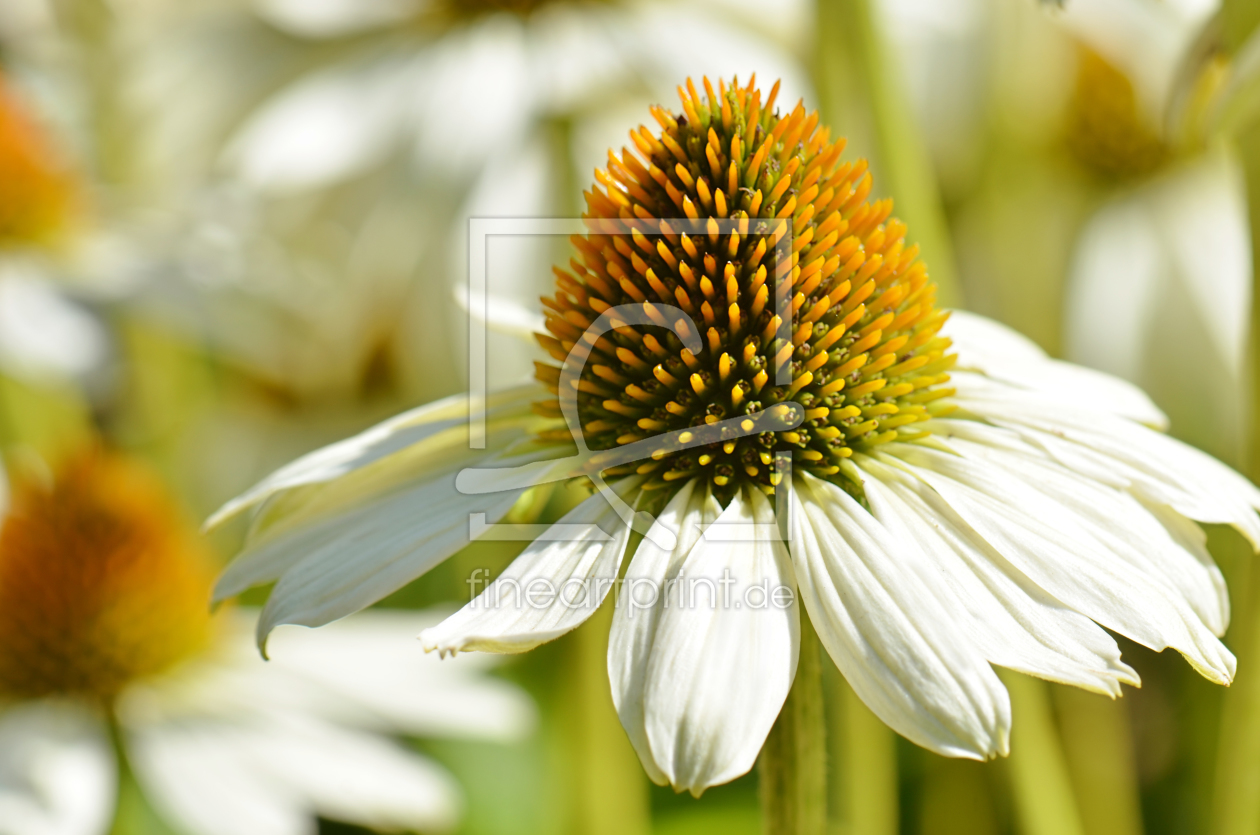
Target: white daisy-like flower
{"x":957,"y":500}
{"x":109,"y":660}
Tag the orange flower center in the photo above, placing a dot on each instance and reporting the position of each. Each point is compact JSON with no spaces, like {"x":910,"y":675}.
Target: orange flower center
{"x":847,"y":344}
{"x":100,"y":583}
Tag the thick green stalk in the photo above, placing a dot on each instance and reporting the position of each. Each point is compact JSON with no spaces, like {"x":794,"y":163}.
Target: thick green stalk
{"x":1040,"y":785}
{"x":862,"y":96}
{"x":793,"y":762}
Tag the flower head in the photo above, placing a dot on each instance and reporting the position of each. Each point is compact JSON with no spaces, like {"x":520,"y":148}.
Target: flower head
{"x":100,"y":584}
{"x":859,"y":350}
{"x":104,"y":620}
{"x":930,"y":531}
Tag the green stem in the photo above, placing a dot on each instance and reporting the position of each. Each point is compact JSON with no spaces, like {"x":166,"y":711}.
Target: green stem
{"x":793,"y":762}
{"x":132,"y":813}
{"x":91,"y":26}
{"x":864,"y":781}
{"x":1040,"y":785}
{"x":611,"y":794}
{"x":1237,"y":791}
{"x":1098,"y":747}
{"x":862,"y":96}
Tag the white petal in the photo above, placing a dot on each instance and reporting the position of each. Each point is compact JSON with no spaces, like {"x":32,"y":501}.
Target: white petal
{"x":1013,"y":621}
{"x":551,"y":588}
{"x":368,"y":671}
{"x":354,"y":777}
{"x":1149,"y":539}
{"x":641,"y":605}
{"x":1119,"y":452}
{"x":892,"y":640}
{"x":982,"y":342}
{"x":325,"y":128}
{"x":272,"y":773}
{"x":333,"y":18}
{"x":1004,"y":354}
{"x":350,"y":561}
{"x":394,"y":435}
{"x":201,"y":777}
{"x":57,"y":771}
{"x":1193,"y":540}
{"x":486,"y":63}
{"x":1115,"y":289}
{"x":721,"y":664}
{"x":1062,"y":553}
{"x":43,"y":334}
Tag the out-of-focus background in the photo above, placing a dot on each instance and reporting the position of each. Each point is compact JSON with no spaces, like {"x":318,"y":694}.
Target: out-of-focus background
{"x":234,"y":230}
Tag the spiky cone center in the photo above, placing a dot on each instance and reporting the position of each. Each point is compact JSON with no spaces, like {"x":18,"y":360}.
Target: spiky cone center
{"x":863,"y":357}
{"x":100,"y":582}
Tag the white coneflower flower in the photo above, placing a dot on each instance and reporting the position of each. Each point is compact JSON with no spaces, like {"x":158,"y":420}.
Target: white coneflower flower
{"x":105,"y":643}
{"x":953,"y":506}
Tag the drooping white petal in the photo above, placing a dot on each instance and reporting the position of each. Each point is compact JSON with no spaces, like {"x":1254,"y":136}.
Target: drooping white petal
{"x":1121,"y":453}
{"x":725,"y":651}
{"x":551,"y":588}
{"x":349,"y":561}
{"x":890,"y":637}
{"x":384,"y":439}
{"x":57,"y":771}
{"x":1013,"y":621}
{"x":642,"y":604}
{"x":1193,"y":540}
{"x":1150,"y":540}
{"x":1004,"y":354}
{"x":1065,"y":555}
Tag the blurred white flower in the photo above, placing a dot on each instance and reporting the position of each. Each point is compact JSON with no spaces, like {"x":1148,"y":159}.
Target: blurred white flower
{"x":109,"y":660}
{"x":1146,"y":41}
{"x":461,"y":83}
{"x":231,"y":743}
{"x":1160,"y":294}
